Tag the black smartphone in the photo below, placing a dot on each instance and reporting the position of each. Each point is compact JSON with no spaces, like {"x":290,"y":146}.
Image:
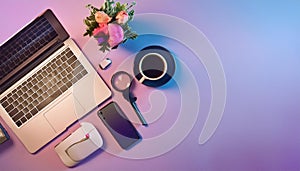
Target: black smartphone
{"x":119,"y":125}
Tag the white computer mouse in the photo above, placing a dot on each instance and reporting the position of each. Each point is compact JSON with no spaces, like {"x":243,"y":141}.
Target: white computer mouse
{"x":79,"y":145}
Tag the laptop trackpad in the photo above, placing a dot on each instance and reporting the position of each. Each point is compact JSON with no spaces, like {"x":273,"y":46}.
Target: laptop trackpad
{"x":63,"y":114}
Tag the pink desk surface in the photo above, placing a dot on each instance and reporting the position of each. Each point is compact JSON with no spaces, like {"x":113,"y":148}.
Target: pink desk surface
{"x":258,"y":43}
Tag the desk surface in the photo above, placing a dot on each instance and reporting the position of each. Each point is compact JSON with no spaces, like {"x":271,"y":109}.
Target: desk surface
{"x":258,"y":44}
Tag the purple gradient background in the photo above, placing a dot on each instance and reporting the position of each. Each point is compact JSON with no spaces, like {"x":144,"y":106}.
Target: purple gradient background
{"x":258,"y":43}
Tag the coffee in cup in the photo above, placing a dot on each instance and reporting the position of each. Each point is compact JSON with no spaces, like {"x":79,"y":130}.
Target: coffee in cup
{"x":152,"y":66}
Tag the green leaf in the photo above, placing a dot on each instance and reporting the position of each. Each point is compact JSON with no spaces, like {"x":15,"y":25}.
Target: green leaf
{"x":131,"y":13}
{"x":118,"y":5}
{"x":87,"y":23}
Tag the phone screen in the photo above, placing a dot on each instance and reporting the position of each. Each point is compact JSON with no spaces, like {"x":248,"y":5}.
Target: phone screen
{"x":119,"y":126}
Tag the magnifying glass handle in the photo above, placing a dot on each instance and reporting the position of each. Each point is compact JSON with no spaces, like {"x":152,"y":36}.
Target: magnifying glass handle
{"x":139,"y":114}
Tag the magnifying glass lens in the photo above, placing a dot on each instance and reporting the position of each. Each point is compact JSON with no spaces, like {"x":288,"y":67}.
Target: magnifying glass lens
{"x":121,"y":81}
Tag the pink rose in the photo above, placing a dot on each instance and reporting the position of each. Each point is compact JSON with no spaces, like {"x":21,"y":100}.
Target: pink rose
{"x":102,"y":18}
{"x":101,"y":33}
{"x":116,"y":34}
{"x":101,"y":30}
{"x":122,"y":17}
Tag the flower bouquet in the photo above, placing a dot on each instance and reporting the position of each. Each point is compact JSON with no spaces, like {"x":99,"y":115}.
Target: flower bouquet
{"x":109,"y":24}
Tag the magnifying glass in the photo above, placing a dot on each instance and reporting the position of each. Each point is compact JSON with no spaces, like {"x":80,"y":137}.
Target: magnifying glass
{"x":122,"y":81}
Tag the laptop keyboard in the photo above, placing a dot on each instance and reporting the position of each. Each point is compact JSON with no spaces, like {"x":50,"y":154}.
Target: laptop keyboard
{"x":43,"y":87}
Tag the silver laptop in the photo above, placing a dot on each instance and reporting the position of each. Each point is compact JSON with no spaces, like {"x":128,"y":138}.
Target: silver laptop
{"x":46,"y":83}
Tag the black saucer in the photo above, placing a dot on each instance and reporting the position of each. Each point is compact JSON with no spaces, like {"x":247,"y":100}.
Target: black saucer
{"x":169,"y":60}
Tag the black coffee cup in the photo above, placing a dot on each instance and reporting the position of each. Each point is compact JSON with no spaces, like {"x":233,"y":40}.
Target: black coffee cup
{"x":154,"y":66}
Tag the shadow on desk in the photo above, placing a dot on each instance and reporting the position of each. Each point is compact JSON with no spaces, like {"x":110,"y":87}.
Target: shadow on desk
{"x":91,"y":157}
{"x":6,"y":146}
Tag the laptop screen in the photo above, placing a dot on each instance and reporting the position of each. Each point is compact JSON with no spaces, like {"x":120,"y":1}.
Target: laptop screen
{"x":28,"y":44}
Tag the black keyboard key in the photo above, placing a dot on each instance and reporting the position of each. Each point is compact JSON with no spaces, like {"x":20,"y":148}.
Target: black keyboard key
{"x":10,"y":100}
{"x":25,"y":110}
{"x":69,"y":84}
{"x":24,"y":89}
{"x":34,"y":96}
{"x":34,"y":111}
{"x":14,"y":96}
{"x":30,"y":99}
{"x":9,"y":108}
{"x":63,"y":58}
{"x":40,"y":99}
{"x":84,"y":72}
{"x":64,"y":72}
{"x":44,"y":73}
{"x":18,"y":123}
{"x":15,"y":103}
{"x":23,"y":119}
{"x":69,"y":54}
{"x":64,"y":65}
{"x":70,"y":76}
{"x":69,"y":69}
{"x":19,"y":107}
{"x":78,"y":69}
{"x":44,"y":95}
{"x":40,"y":84}
{"x":43,"y":81}
{"x":35,"y":88}
{"x":20,"y":100}
{"x":48,"y":69}
{"x":25,"y":96}
{"x":71,"y":60}
{"x":5,"y":104}
{"x":30,"y":106}
{"x":64,"y":88}
{"x":25,"y":103}
{"x":35,"y":102}
{"x":39,"y":77}
{"x":34,"y":81}
{"x":50,"y":91}
{"x":9,"y":95}
{"x":44,"y":88}
{"x":39,"y":92}
{"x":30,"y":92}
{"x":29,"y":85}
{"x":58,"y":62}
{"x":75,"y":64}
{"x":28,"y":116}
{"x":14,"y":91}
{"x":65,"y":80}
{"x":19,"y":93}
{"x":13,"y":112}
{"x":4,"y":99}
{"x":59,"y":77}
{"x":78,"y":77}
{"x":60,"y":84}
{"x":18,"y":116}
